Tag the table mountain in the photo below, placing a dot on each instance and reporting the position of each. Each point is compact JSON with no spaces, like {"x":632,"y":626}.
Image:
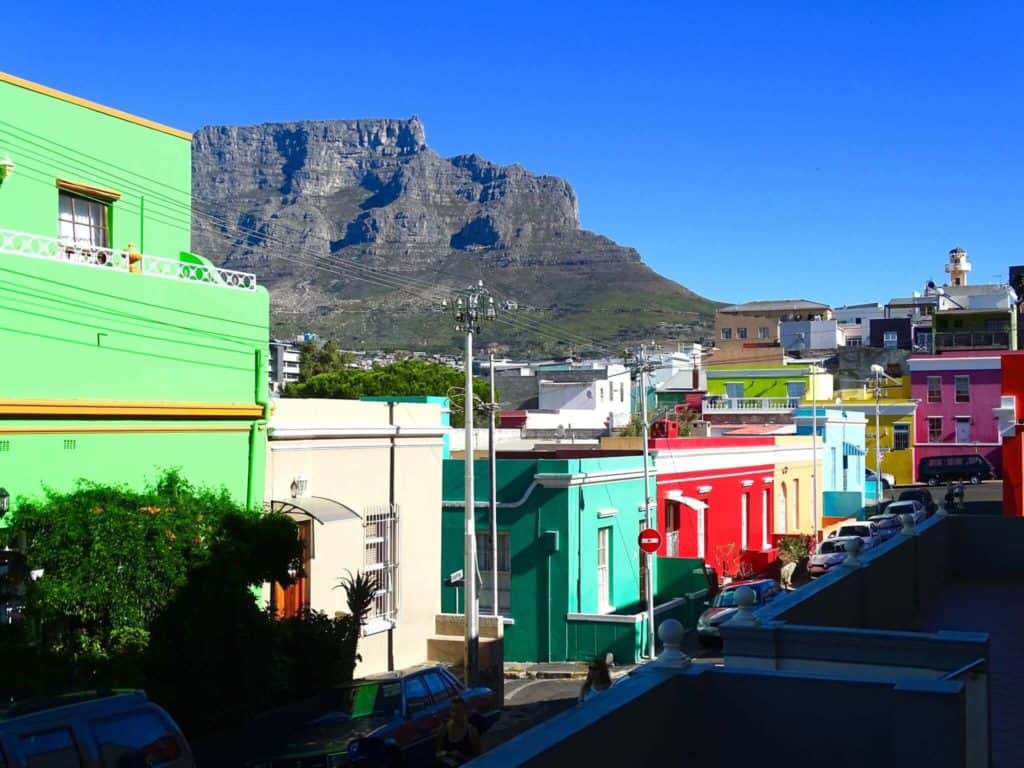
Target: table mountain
{"x":358,"y":228}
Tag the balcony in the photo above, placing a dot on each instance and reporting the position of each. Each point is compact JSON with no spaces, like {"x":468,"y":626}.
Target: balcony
{"x":750,"y":404}
{"x":13,"y":243}
{"x":972,"y":340}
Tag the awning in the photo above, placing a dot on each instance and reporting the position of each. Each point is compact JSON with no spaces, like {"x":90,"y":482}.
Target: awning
{"x":849,"y":449}
{"x":321,"y":509}
{"x":689,"y":501}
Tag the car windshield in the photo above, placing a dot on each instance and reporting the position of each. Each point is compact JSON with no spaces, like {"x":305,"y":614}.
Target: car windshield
{"x":831,"y":547}
{"x":727,"y":599}
{"x":373,"y":699}
{"x":855,"y":530}
{"x":887,"y":522}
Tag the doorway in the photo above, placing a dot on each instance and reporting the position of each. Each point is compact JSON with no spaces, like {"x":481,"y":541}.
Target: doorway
{"x":293,"y":600}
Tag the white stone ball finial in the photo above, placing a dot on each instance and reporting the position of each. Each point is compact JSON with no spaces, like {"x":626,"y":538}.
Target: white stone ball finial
{"x":744,"y":615}
{"x":671,"y":633}
{"x":853,"y":548}
{"x":908,"y":524}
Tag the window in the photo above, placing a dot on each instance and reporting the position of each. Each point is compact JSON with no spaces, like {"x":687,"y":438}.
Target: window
{"x":855,"y":341}
{"x":600,"y":394}
{"x":381,"y":540}
{"x":900,"y":437}
{"x":50,"y":749}
{"x":84,"y":220}
{"x":857,"y":320}
{"x":483,"y":551}
{"x":889,"y":339}
{"x":622,"y":392}
{"x":744,"y":513}
{"x":963,"y":388}
{"x":934,"y":389}
{"x":763,"y":332}
{"x":934,"y":429}
{"x":734,"y":389}
{"x":439,"y":689}
{"x":416,"y":696}
{"x":672,"y":529}
{"x":727,"y":333}
{"x":741,"y":333}
{"x":604,"y":556}
{"x":135,"y":738}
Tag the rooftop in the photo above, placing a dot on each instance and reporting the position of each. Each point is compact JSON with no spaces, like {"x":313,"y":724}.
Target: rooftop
{"x":775,"y":305}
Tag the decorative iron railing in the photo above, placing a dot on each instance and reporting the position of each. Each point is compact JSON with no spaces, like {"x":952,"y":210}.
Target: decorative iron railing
{"x":15,"y":243}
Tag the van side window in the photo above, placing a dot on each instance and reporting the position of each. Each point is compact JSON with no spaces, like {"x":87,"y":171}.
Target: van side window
{"x":50,"y":749}
{"x":135,"y":738}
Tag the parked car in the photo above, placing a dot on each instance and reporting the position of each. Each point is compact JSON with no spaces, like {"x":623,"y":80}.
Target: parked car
{"x":831,"y":553}
{"x":920,"y":495}
{"x":724,"y":606}
{"x":888,"y":481}
{"x":380,"y":720}
{"x":888,"y":525}
{"x":91,"y":730}
{"x":944,"y":469}
{"x":908,"y":507}
{"x":866,"y":531}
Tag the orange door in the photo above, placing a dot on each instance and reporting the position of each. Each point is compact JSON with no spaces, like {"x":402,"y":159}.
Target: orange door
{"x":294,"y":599}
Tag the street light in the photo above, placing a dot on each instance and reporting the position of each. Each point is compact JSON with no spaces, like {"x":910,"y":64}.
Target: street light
{"x":878,"y":372}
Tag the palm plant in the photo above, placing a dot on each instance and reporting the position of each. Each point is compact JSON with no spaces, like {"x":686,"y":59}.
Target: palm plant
{"x":360,"y":590}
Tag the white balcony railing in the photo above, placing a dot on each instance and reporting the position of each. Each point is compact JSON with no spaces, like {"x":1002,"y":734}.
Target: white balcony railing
{"x":52,"y":249}
{"x":751,"y":404}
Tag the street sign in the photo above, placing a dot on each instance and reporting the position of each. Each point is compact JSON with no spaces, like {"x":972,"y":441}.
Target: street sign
{"x":649,"y":540}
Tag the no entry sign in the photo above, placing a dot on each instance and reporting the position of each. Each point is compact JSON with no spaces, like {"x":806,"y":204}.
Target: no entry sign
{"x":649,"y":540}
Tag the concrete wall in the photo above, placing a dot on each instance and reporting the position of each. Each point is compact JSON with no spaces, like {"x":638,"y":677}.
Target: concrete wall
{"x":729,"y":719}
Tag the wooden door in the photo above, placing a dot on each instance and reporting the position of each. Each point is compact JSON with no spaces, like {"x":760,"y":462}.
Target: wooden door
{"x":294,"y":599}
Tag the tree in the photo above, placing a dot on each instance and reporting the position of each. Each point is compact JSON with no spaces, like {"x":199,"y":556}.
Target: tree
{"x":404,"y":378}
{"x":315,"y":359}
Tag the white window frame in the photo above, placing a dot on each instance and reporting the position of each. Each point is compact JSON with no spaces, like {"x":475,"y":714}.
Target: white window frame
{"x":966,"y":380}
{"x":765,"y":495}
{"x":380,"y":559}
{"x":928,"y":426}
{"x":928,"y":389}
{"x":604,"y":569}
{"x":483,"y":549}
{"x":901,"y":428}
{"x":727,"y":334}
{"x":744,"y":513}
{"x":741,"y":332}
{"x":956,"y":432}
{"x":890,"y":340}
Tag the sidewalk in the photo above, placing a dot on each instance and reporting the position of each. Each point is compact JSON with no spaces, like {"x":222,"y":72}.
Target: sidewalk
{"x":571,"y":670}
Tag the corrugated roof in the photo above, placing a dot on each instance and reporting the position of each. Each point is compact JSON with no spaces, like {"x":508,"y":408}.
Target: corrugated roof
{"x":775,"y":305}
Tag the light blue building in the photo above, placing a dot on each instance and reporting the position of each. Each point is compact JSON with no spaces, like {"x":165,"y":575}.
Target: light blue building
{"x":842,"y":480}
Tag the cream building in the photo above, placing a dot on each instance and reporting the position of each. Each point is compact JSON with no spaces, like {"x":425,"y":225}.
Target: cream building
{"x":363,"y":480}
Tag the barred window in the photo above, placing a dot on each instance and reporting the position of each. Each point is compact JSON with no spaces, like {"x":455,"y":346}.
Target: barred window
{"x":381,"y":561}
{"x":900,"y":436}
{"x":483,"y":552}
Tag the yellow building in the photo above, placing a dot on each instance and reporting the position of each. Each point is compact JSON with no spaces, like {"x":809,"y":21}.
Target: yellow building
{"x":794,"y":504}
{"x":895,"y":420}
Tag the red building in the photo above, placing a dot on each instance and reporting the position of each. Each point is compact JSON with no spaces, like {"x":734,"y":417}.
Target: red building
{"x":715,"y":500}
{"x":1012,"y":419}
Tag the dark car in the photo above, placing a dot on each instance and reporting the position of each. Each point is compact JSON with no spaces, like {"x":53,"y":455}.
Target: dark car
{"x":919,"y":495}
{"x":945,"y":469}
{"x":92,"y":729}
{"x":724,"y":606}
{"x":382,"y":720}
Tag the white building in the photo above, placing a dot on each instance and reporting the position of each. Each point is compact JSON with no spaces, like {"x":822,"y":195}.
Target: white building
{"x":855,"y":322}
{"x":284,"y":364}
{"x":592,"y":403}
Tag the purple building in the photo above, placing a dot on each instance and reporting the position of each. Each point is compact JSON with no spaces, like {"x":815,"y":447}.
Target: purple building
{"x":957,"y":395}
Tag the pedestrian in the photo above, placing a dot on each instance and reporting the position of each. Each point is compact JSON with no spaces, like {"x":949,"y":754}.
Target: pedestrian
{"x":960,"y":494}
{"x":458,"y":741}
{"x":598,"y":679}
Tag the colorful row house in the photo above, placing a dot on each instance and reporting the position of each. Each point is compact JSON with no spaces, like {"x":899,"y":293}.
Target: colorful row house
{"x":958,"y":396}
{"x":129,"y":354}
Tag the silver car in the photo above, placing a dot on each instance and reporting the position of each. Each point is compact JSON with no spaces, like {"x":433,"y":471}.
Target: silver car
{"x":831,"y":554}
{"x":908,"y":507}
{"x":888,"y":525}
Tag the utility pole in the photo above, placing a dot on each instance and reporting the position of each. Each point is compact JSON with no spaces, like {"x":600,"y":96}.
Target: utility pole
{"x":641,"y":365}
{"x":814,"y":453}
{"x":469,"y":308}
{"x":492,"y":466}
{"x":877,"y":370}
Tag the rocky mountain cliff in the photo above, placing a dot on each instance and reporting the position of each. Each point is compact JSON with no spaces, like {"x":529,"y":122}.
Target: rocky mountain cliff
{"x":359,"y":228}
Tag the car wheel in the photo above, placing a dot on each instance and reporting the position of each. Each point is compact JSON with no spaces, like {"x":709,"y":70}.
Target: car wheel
{"x":933,"y":481}
{"x":975,"y":479}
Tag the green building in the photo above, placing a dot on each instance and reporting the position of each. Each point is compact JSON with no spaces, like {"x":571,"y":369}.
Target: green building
{"x":794,"y":381}
{"x":568,"y":559}
{"x":125,"y":354}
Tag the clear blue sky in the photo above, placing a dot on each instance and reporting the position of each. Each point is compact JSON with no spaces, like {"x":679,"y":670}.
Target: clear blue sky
{"x":831,"y":151}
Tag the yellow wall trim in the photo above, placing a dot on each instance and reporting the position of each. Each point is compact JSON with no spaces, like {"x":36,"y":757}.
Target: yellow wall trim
{"x":87,"y":190}
{"x":54,"y":93}
{"x":107,"y":408}
{"x":85,"y":430}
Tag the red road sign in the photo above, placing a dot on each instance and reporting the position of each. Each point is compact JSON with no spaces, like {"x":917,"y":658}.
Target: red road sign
{"x":649,"y":540}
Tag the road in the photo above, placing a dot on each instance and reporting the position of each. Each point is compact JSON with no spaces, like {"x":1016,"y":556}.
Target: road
{"x":983,"y":499}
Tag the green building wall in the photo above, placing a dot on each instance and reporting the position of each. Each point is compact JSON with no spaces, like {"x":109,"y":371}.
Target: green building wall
{"x":84,"y":345}
{"x":554,"y":532}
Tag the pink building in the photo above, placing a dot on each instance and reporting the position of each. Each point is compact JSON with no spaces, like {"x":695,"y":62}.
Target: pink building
{"x":958,"y":395}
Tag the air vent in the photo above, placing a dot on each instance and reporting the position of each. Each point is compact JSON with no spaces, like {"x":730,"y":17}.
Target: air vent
{"x":70,"y":445}
{"x":5,"y":445}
